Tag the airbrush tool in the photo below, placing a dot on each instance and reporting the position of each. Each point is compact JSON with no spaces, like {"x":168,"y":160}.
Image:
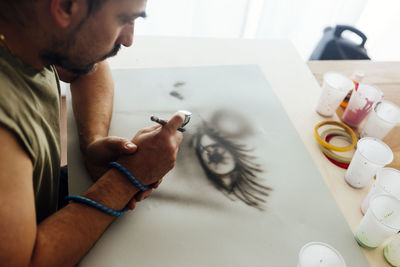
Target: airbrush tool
{"x":186,"y":113}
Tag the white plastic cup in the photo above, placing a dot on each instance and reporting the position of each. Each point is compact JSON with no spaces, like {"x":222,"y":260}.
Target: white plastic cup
{"x":318,"y":254}
{"x":334,"y":89}
{"x":381,"y":221}
{"x":384,"y":116}
{"x":360,"y":104}
{"x":371,"y":155}
{"x":391,"y":252}
{"x":387,"y":182}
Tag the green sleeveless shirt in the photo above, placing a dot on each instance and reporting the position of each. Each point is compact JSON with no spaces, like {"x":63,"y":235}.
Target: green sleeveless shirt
{"x":30,"y":109}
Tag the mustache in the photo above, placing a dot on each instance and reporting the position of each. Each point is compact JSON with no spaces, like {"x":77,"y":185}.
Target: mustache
{"x":63,"y":61}
{"x":112,"y":53}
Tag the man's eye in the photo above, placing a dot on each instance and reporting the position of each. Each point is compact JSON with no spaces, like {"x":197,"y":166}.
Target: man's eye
{"x":128,"y":21}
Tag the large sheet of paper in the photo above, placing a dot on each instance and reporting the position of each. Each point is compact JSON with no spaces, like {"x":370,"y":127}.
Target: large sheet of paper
{"x":244,"y":191}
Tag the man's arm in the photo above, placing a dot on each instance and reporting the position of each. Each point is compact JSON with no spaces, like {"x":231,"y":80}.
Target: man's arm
{"x":92,"y":102}
{"x":65,"y":237}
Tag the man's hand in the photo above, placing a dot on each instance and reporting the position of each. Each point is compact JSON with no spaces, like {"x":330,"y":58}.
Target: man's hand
{"x":157,"y":148}
{"x":100,"y":152}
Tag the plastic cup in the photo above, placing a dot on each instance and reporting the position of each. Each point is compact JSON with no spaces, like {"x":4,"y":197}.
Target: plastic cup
{"x":392,"y":251}
{"x":384,"y":116}
{"x":360,"y":104}
{"x":318,"y":254}
{"x":381,"y":221}
{"x":334,"y":89}
{"x":371,"y":155}
{"x":387,"y":182}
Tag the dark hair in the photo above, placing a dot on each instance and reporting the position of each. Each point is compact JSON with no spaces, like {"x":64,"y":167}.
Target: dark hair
{"x":94,"y":5}
{"x":12,"y":10}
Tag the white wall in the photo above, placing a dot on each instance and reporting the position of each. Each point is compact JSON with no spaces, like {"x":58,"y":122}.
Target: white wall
{"x":380,"y":21}
{"x":200,"y":18}
{"x":301,"y":21}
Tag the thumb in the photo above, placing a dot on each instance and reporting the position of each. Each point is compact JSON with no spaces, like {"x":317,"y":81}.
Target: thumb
{"x":121,"y":145}
{"x":175,"y":122}
{"x":129,"y":147}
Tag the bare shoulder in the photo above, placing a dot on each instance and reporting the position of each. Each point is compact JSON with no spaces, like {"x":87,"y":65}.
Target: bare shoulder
{"x":12,"y":153}
{"x":17,"y":204}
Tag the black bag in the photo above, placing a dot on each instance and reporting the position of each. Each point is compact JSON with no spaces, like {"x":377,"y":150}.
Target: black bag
{"x":333,"y":46}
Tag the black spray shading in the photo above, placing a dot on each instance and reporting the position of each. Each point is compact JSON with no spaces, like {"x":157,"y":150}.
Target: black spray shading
{"x":239,"y":179}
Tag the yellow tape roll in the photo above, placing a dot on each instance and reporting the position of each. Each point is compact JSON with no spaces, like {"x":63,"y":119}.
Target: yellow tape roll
{"x":330,"y":146}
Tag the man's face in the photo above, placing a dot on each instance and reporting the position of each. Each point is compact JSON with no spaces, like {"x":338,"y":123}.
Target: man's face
{"x":97,"y":37}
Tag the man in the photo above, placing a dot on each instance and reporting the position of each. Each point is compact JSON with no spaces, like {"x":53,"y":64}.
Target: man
{"x":75,"y":36}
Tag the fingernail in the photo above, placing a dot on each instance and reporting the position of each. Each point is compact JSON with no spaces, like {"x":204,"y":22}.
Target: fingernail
{"x":129,"y":145}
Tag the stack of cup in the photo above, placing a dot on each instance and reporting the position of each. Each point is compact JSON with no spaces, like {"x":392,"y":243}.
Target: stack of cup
{"x":387,"y":182}
{"x":360,"y":104}
{"x":315,"y":254}
{"x":334,"y":89}
{"x":381,"y":221}
{"x":384,"y":116}
{"x":371,"y":155}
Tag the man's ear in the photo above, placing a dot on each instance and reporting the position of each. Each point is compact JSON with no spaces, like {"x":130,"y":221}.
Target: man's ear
{"x":63,"y":11}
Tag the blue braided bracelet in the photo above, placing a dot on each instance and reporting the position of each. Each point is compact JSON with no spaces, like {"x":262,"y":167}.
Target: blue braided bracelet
{"x":99,"y":206}
{"x":129,"y":175}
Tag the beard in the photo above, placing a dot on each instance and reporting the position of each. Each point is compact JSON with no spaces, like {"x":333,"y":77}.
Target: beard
{"x":74,"y":52}
{"x":72,"y":61}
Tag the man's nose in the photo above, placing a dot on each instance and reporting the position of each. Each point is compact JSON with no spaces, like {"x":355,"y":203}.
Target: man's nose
{"x":126,"y":37}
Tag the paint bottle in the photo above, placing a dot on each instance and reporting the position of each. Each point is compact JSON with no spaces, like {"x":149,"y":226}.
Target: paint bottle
{"x":356,"y":77}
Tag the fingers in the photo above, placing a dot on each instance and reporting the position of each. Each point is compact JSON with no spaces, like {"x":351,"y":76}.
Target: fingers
{"x":142,"y":195}
{"x":150,"y":129}
{"x":145,"y":194}
{"x":119,"y":144}
{"x":155,"y":185}
{"x":132,"y":204}
{"x":175,"y":122}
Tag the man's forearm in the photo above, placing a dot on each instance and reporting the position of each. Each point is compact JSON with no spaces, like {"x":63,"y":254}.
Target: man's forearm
{"x":66,"y":236}
{"x":92,"y":102}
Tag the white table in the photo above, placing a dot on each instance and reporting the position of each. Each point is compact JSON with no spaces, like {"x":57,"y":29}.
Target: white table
{"x":288,"y":75}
